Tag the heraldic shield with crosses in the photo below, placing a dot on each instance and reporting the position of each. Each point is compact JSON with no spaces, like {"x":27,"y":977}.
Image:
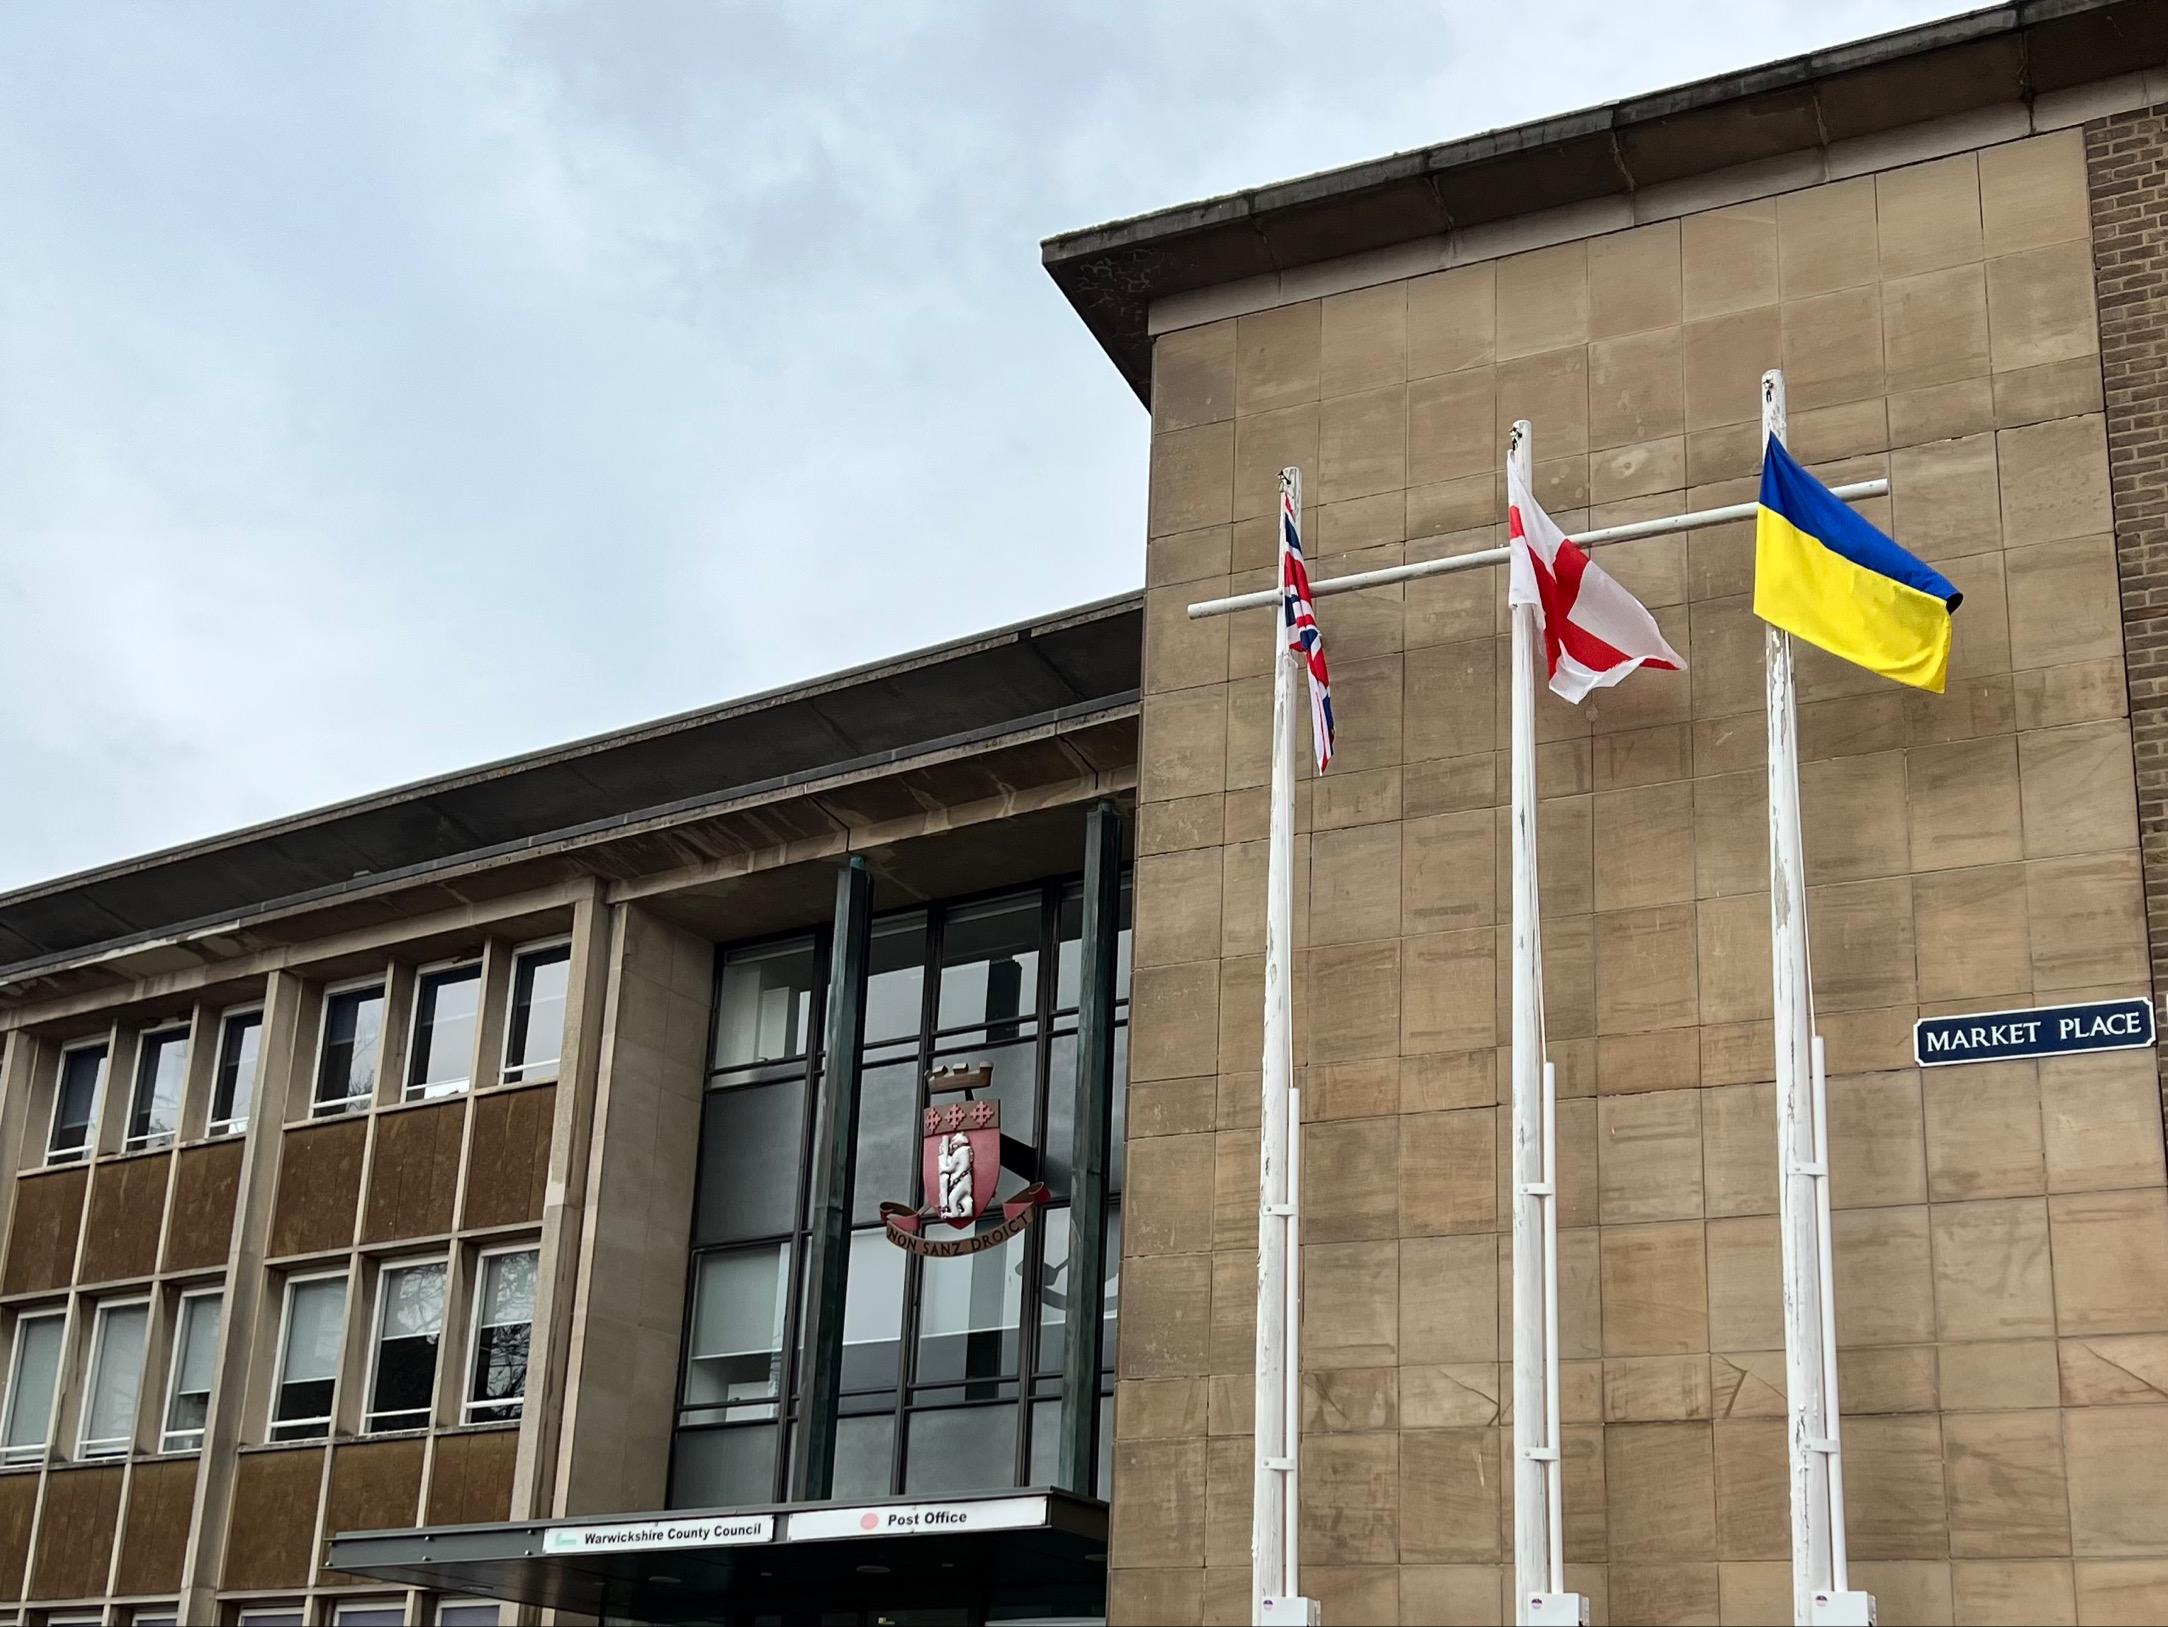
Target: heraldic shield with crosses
{"x":960,"y":1152}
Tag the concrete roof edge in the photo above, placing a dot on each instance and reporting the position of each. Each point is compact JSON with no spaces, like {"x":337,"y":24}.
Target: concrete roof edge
{"x":414,"y":790}
{"x":1153,"y":249}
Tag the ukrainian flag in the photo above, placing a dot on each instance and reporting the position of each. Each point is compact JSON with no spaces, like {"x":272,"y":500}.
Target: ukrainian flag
{"x":1825,"y":575}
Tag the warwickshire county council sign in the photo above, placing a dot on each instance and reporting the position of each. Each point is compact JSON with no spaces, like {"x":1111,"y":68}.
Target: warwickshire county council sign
{"x":1999,"y":1036}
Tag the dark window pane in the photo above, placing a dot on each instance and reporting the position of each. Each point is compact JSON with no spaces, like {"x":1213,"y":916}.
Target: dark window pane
{"x":535,"y":1031}
{"x":1046,"y":1444}
{"x":888,"y":1138}
{"x":968,"y":1311}
{"x":896,"y":977}
{"x":872,"y":1313}
{"x":240,"y":1046}
{"x":723,"y":1468}
{"x":990,"y":965}
{"x":353,"y":1028}
{"x":764,"y":1010}
{"x":865,"y":1454}
{"x":734,"y":1355}
{"x":504,"y":1322}
{"x":411,"y":1320}
{"x":1061,"y":1113}
{"x":154,"y":1116}
{"x":1054,"y":1280}
{"x":1069,"y":973}
{"x":75,"y":1101}
{"x":751,"y":1154}
{"x":961,"y":1449}
{"x":447,"y":1006}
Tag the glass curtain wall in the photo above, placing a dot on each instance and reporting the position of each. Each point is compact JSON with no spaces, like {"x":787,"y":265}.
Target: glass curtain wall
{"x":951,"y":1367}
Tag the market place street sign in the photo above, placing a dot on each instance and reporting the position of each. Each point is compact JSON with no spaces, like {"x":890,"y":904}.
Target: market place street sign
{"x":1999,"y":1036}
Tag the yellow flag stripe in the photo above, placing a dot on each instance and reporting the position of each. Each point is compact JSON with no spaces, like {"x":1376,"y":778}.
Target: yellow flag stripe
{"x":1855,"y":614}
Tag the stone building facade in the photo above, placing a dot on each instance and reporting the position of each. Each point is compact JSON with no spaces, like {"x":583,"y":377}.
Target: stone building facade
{"x":1946,"y":299}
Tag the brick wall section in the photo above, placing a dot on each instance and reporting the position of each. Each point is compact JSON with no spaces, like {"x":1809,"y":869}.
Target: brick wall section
{"x":2126,"y":160}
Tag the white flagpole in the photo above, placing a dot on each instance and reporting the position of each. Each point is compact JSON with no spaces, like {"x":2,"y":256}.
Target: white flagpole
{"x":1275,"y":1512}
{"x":1819,"y":1579}
{"x":1539,"y":1571}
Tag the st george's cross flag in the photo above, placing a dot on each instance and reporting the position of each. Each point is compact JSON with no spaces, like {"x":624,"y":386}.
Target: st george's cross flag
{"x":1299,"y":618}
{"x":1594,"y":631}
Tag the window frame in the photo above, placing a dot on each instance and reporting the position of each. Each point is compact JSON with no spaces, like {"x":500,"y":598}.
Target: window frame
{"x":83,"y":1154}
{"x":87,"y":1449}
{"x":331,"y":992}
{"x":369,"y":1415}
{"x":503,"y":1411}
{"x":19,"y":1456}
{"x":412,"y":1089}
{"x":152,"y":1140}
{"x":342,"y":1610}
{"x":510,"y":1072}
{"x":296,"y":1280}
{"x":214,"y":1126}
{"x":177,"y":1348}
{"x":295,"y":1608}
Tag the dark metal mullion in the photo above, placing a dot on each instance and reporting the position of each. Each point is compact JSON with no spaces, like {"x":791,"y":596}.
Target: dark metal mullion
{"x":1034,"y":1271}
{"x":829,"y":1241}
{"x":800,"y":1232}
{"x":1091,"y":1158}
{"x":929,"y":1007}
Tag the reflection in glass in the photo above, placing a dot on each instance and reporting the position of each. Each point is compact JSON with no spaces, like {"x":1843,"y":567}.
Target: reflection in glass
{"x":447,"y":1006}
{"x":240,"y":1046}
{"x":1054,"y":1291}
{"x":764,"y":1009}
{"x":31,"y":1387}
{"x":968,"y":1309}
{"x":353,"y":1028}
{"x":888,"y":1136}
{"x":872,"y":1313}
{"x":1061,"y":1113}
{"x":735,"y":1354}
{"x":195,"y":1347}
{"x":116,"y":1379}
{"x":309,"y":1362}
{"x":990,"y":965}
{"x":75,"y":1102}
{"x":896,"y":978}
{"x":503,"y":1334}
{"x":410,"y":1321}
{"x":1046,"y":1445}
{"x":154,"y":1116}
{"x":535,"y":1032}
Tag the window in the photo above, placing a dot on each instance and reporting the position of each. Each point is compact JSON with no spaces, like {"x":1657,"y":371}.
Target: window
{"x":240,"y":1048}
{"x":951,"y":1372}
{"x":116,"y":1378}
{"x":154,"y":1113}
{"x":468,"y":1613}
{"x":155,"y":1615}
{"x":195,"y":1355}
{"x":313,"y":1328}
{"x":282,"y":1615}
{"x":370,"y":1613}
{"x":409,"y":1324}
{"x":534,"y":1034}
{"x":75,"y":1103}
{"x":503,"y":1324}
{"x":353,"y":1033}
{"x":33,"y":1383}
{"x":447,"y":1005}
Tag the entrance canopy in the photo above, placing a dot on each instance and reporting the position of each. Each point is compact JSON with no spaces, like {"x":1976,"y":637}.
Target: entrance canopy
{"x":1009,"y":1555}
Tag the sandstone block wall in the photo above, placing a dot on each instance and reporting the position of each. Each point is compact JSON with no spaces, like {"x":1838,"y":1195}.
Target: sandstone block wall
{"x":2001,"y":1231}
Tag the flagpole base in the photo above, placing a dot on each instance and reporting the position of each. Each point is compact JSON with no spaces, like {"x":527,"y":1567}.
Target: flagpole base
{"x":1841,"y":1610}
{"x":1558,"y":1609}
{"x":1298,"y":1611}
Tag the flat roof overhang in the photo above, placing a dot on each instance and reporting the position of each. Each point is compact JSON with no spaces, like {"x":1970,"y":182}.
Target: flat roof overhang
{"x":1111,"y":274}
{"x":1051,"y":1554}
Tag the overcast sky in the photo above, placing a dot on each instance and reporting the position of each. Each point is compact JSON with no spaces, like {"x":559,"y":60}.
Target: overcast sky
{"x":389,"y":387}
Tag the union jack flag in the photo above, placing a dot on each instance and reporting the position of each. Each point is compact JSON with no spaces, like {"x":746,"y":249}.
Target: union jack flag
{"x":1299,"y":617}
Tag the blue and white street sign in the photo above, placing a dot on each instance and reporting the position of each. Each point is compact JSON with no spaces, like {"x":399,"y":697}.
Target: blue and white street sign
{"x":1999,"y":1036}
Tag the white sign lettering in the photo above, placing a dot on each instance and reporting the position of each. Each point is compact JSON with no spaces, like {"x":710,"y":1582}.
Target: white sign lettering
{"x":715,"y":1531}
{"x":916,"y":1519}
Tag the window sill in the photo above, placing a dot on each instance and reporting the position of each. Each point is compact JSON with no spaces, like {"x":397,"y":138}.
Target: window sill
{"x":408,"y":1103}
{"x":126,"y":1154}
{"x":328,"y":1114}
{"x":480,"y":1426}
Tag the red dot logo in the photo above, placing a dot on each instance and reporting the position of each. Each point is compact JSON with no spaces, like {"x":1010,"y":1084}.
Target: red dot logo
{"x":869,"y":1522}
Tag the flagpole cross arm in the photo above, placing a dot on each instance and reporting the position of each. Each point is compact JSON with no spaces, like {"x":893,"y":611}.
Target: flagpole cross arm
{"x":1858,"y":491}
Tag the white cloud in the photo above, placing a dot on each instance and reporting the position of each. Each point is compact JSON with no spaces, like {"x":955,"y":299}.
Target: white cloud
{"x":388,"y":388}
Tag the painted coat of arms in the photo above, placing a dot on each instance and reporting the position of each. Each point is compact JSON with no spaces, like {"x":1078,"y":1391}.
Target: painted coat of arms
{"x":960,"y":1163}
